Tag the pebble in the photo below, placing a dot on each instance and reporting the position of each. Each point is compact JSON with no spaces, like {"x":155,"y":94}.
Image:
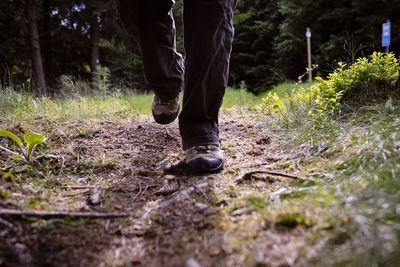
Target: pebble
{"x":192,"y":263}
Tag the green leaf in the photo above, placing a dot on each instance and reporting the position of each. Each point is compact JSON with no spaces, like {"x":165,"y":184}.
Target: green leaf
{"x":11,"y":136}
{"x":7,"y":175}
{"x":32,"y":139}
{"x":16,"y":157}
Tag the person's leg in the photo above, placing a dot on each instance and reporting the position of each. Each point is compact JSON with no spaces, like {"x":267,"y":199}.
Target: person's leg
{"x":208,"y":30}
{"x":208,"y":34}
{"x":152,"y":25}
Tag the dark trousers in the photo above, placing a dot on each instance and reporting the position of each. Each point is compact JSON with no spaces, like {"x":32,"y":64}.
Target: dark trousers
{"x":203,"y":74}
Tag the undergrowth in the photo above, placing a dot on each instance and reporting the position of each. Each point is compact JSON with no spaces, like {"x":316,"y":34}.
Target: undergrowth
{"x":347,"y":127}
{"x":366,"y":82}
{"x":346,"y":146}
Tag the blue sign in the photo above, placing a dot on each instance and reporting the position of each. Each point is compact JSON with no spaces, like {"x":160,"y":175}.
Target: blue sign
{"x":386,"y":34}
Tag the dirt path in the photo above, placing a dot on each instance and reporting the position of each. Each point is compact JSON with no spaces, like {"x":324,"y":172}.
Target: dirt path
{"x":178,"y":218}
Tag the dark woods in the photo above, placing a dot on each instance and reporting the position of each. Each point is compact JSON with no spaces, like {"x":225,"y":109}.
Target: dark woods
{"x":43,"y":40}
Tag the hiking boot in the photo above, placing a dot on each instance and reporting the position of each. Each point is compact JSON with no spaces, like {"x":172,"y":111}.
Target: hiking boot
{"x":165,"y":111}
{"x":204,"y":159}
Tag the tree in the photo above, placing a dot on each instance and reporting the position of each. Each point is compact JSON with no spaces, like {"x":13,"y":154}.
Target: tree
{"x":256,"y":23}
{"x":40,"y":81}
{"x":94,"y":52}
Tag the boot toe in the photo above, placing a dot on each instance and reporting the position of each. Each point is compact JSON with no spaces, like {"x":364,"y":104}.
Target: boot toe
{"x":205,"y":165}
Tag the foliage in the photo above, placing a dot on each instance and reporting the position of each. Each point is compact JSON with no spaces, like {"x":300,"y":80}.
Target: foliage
{"x":365,"y":81}
{"x":103,"y":80}
{"x":270,"y":44}
{"x":252,"y":61}
{"x":123,"y":60}
{"x":31,"y":140}
{"x":268,"y":48}
{"x":311,"y":102}
{"x":67,"y":83}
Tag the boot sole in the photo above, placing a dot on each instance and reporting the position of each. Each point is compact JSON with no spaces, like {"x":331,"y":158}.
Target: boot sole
{"x":165,"y":118}
{"x":201,"y":165}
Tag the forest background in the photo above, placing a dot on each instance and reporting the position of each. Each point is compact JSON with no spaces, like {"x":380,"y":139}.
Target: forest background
{"x":72,"y":40}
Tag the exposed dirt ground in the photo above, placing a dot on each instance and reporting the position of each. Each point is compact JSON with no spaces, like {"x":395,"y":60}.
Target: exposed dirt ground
{"x":177,"y":218}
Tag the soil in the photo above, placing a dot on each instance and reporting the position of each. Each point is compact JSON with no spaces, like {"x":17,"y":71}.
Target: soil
{"x":178,"y":219}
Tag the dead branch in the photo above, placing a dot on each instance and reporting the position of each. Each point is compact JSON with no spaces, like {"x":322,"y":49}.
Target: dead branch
{"x":63,"y":214}
{"x":182,"y":195}
{"x":138,"y":193}
{"x":202,"y":193}
{"x":248,"y":175}
{"x":179,"y":197}
{"x":73,"y":187}
{"x":6,"y":223}
{"x":169,"y":188}
{"x":77,"y":193}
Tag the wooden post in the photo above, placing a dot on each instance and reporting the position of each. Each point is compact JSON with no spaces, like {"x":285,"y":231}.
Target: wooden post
{"x":308,"y":34}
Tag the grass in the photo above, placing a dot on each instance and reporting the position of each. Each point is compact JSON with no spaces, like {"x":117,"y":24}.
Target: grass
{"x":24,"y":107}
{"x":239,"y":98}
{"x":233,"y":98}
{"x":354,"y":157}
{"x":351,"y":208}
{"x":286,"y":88}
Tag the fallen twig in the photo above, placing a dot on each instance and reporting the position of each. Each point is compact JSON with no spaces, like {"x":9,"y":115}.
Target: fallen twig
{"x":168,"y":189}
{"x":160,"y":163}
{"x":73,"y":187}
{"x":9,"y":151}
{"x":6,"y":223}
{"x":182,"y":195}
{"x":178,"y":198}
{"x":202,"y":193}
{"x":247,"y":175}
{"x":63,"y":214}
{"x":138,"y":193}
{"x":77,"y":193}
{"x":267,"y":161}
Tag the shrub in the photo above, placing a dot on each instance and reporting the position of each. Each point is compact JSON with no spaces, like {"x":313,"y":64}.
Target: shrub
{"x":364,"y":82}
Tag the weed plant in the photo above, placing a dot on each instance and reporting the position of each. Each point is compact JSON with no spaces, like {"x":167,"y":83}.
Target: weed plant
{"x":365,"y":82}
{"x":348,"y":126}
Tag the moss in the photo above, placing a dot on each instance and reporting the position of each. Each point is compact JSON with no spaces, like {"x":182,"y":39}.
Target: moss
{"x":4,"y":193}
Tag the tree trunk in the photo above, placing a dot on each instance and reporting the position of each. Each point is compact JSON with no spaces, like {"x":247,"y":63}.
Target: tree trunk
{"x":40,"y":82}
{"x":47,"y":51}
{"x":95,"y":53}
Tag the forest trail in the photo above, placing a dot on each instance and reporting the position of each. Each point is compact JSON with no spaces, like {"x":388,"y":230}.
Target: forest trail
{"x":178,"y":219}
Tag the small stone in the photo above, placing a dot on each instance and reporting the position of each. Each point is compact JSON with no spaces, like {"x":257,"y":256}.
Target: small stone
{"x":215,"y":251}
{"x":118,"y":207}
{"x":169,"y":177}
{"x":240,"y":211}
{"x":192,"y":263}
{"x":136,"y":260}
{"x":200,"y":206}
